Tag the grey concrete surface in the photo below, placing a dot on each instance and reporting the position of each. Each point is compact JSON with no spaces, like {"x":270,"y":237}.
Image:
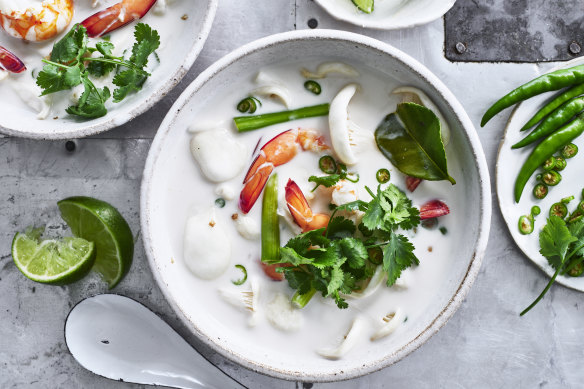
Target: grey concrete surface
{"x":485,"y":344}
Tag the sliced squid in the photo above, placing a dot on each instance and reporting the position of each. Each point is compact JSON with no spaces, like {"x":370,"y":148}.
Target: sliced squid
{"x":349,"y":341}
{"x":42,"y":105}
{"x":415,"y":95}
{"x":346,"y":136}
{"x":272,"y":88}
{"x":247,"y":227}
{"x":219,"y":155}
{"x":327,"y":68}
{"x":225,"y":191}
{"x":374,"y":283}
{"x":391,"y":322}
{"x":246,"y":300}
{"x":282,"y":315}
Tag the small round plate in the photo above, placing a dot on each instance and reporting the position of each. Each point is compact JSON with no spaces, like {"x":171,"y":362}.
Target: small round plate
{"x":508,"y":164}
{"x":388,"y":14}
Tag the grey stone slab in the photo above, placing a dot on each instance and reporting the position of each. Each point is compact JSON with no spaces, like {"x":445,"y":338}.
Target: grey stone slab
{"x":485,"y":344}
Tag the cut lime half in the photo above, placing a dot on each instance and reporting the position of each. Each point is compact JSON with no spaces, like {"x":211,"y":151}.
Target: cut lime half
{"x":364,"y":5}
{"x":99,"y":222}
{"x":52,"y":261}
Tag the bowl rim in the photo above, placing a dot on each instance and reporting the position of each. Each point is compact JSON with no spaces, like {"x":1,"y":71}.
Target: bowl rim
{"x":483,"y":214}
{"x":87,"y":128}
{"x":381,"y":25}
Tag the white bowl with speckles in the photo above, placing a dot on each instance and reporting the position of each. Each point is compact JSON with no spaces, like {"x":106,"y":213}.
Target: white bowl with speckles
{"x":177,"y":56}
{"x":388,"y":14}
{"x":170,"y":172}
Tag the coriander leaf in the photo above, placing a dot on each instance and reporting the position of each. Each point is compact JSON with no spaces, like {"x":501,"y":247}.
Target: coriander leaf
{"x":373,"y":218}
{"x":336,"y":280}
{"x":357,"y":205}
{"x":353,"y":250}
{"x":326,"y":181}
{"x":147,"y":42}
{"x":71,"y":47}
{"x":398,"y":255}
{"x":401,"y":210}
{"x":577,"y":230}
{"x":364,"y":230}
{"x":100,"y":69}
{"x":322,"y":258}
{"x":92,"y":102}
{"x":554,"y":240}
{"x":341,"y":303}
{"x":349,"y":283}
{"x":55,"y":78}
{"x":288,"y":255}
{"x":339,"y":228}
{"x":298,"y":279}
{"x":128,"y":81}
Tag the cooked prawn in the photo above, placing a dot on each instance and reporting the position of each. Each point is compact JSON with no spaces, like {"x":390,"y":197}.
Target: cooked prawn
{"x":301,"y":211}
{"x":278,"y":151}
{"x":116,"y":16}
{"x":39,"y":22}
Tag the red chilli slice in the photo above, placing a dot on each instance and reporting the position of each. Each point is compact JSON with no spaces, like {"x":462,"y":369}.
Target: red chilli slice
{"x":412,"y":183}
{"x":433,"y":208}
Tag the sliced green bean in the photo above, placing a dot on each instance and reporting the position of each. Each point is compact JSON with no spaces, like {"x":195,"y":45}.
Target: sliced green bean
{"x":555,"y":120}
{"x":556,"y":102}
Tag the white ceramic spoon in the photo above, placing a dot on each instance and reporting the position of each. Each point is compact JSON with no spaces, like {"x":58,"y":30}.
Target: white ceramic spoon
{"x":119,"y":338}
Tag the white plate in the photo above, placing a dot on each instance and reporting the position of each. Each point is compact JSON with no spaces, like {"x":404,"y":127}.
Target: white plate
{"x":508,"y":164}
{"x":388,"y":14}
{"x":172,"y":184}
{"x":181,"y":43}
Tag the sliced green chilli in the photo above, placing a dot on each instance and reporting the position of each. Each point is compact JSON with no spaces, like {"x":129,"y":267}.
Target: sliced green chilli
{"x":549,"y":164}
{"x":242,"y":280}
{"x":220,"y":202}
{"x":364,"y":5}
{"x":525,"y":225}
{"x":327,"y":164}
{"x":249,"y":105}
{"x":569,"y":151}
{"x":313,"y":86}
{"x":560,"y":164}
{"x":540,"y":191}
{"x":382,"y":176}
{"x":559,"y":209}
{"x":535,"y":210}
{"x":551,"y":178}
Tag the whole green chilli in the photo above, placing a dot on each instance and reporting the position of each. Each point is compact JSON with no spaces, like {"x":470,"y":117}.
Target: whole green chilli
{"x":548,"y":82}
{"x":557,"y":118}
{"x":556,"y":102}
{"x":546,"y":149}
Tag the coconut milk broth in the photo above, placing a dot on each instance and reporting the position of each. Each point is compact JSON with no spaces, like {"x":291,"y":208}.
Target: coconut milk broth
{"x":324,"y":324}
{"x":32,"y":53}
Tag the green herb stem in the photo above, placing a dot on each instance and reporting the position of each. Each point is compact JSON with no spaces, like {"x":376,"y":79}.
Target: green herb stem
{"x":270,"y":233}
{"x":300,"y":300}
{"x":250,"y":123}
{"x":542,"y":294}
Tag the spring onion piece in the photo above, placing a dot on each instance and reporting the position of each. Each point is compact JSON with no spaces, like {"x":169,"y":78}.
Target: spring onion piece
{"x":300,"y":300}
{"x":313,"y":86}
{"x":559,"y":209}
{"x":569,"y":151}
{"x":220,"y":202}
{"x":549,"y":164}
{"x":248,"y":105}
{"x":552,"y":178}
{"x":241,"y":281}
{"x":525,"y":225}
{"x":382,"y":176}
{"x":443,"y":230}
{"x":270,"y":229}
{"x":560,"y":164}
{"x":327,"y":164}
{"x":250,"y":123}
{"x":540,"y":191}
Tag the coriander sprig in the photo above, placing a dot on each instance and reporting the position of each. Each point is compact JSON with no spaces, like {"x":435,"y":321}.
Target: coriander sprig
{"x":71,"y":64}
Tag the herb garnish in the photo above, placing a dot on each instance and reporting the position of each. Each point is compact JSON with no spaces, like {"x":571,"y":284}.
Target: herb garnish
{"x":334,"y":260}
{"x":334,"y":178}
{"x":563,"y":247}
{"x":71,"y":64}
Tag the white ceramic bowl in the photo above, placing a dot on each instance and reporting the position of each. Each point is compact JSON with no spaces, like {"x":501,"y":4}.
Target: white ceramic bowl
{"x":170,"y":170}
{"x":508,"y":164}
{"x":177,"y":56}
{"x":388,"y":14}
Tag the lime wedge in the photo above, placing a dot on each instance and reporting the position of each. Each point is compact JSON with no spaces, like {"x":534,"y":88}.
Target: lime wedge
{"x":52,"y":261}
{"x":364,"y":5}
{"x":99,"y":222}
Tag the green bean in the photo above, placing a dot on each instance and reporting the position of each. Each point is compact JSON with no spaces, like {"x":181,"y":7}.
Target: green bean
{"x":270,"y":230}
{"x":548,"y":82}
{"x":554,"y":121}
{"x":556,"y":102}
{"x":546,"y":149}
